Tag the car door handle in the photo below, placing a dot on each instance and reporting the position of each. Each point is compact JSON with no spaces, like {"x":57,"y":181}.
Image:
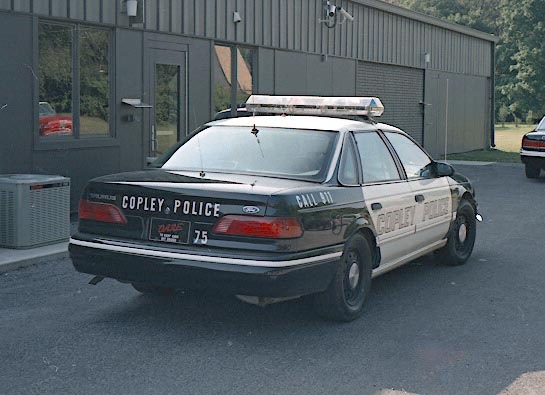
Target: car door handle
{"x":419,"y":198}
{"x":376,"y":206}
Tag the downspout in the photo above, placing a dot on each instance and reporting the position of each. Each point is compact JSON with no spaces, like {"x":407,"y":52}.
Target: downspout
{"x":492,"y":94}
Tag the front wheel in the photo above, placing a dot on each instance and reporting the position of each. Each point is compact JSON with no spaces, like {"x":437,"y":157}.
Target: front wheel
{"x":461,"y":238}
{"x":532,"y":171}
{"x":345,"y":297}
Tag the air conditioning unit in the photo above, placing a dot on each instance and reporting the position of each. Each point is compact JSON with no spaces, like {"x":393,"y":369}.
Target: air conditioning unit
{"x":34,"y":210}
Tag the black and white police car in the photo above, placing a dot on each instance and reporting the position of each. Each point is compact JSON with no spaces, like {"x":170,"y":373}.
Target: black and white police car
{"x":532,"y":151}
{"x":314,"y":201}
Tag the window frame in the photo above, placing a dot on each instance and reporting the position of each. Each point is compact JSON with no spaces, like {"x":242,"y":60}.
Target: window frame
{"x":75,"y":140}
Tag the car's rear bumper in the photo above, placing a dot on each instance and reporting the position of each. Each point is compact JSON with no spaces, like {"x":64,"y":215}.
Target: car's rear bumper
{"x":270,"y":278}
{"x":532,"y":157}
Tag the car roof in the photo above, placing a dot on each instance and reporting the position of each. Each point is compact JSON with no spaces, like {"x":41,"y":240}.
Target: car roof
{"x":302,"y":122}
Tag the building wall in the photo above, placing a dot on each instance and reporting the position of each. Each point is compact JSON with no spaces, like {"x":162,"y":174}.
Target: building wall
{"x":380,"y":32}
{"x":16,"y":99}
{"x":401,"y":90}
{"x":456,"y":110}
{"x":380,"y":53}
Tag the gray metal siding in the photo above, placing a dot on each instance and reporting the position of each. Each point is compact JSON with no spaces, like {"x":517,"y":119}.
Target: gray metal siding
{"x":378,"y":33}
{"x":16,"y":95}
{"x":308,"y":74}
{"x":461,"y":116}
{"x":401,"y":90}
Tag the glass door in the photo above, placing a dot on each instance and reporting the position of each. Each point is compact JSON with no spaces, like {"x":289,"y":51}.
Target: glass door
{"x":166,"y":126}
{"x":167,"y":94}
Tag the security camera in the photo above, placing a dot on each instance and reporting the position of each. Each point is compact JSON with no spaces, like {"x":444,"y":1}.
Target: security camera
{"x":346,"y":14}
{"x":331,"y":10}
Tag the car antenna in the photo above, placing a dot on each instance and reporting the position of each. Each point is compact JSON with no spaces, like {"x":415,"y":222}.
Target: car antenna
{"x":202,"y":174}
{"x":255,"y":131}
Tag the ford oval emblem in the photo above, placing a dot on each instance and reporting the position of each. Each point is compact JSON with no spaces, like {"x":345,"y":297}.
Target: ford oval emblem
{"x":250,"y":209}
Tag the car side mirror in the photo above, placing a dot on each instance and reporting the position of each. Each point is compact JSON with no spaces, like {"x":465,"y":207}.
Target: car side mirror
{"x":443,"y":169}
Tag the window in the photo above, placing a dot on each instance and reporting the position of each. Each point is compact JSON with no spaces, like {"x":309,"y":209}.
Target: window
{"x":289,"y":153}
{"x":376,"y":161}
{"x":224,"y":74}
{"x":74,"y":90}
{"x":348,"y":172}
{"x":412,"y":157}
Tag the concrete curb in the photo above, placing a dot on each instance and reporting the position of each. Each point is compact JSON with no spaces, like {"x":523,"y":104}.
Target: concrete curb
{"x":11,"y":259}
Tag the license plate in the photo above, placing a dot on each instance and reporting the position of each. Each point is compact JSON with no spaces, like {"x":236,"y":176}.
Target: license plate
{"x":169,"y":231}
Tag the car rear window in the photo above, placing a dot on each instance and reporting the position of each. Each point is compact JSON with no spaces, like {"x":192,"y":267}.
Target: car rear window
{"x":287,"y":153}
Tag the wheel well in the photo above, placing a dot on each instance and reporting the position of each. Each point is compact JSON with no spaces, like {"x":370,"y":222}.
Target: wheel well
{"x":370,"y":237}
{"x":467,"y":196}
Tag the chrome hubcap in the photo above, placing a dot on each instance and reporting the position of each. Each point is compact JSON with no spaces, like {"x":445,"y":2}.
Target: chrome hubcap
{"x":462,"y":233}
{"x":354,"y":276}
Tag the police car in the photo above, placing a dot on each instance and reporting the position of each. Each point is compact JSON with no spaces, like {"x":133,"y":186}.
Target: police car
{"x":532,"y":151}
{"x":316,"y":200}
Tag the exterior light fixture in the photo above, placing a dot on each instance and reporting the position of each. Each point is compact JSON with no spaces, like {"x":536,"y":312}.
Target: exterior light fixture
{"x":236,"y":17}
{"x":132,"y":7}
{"x":427,"y":58}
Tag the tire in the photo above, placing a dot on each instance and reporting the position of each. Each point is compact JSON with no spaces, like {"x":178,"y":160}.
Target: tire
{"x":345,"y":297}
{"x":461,"y":238}
{"x":532,"y":171}
{"x":147,"y":289}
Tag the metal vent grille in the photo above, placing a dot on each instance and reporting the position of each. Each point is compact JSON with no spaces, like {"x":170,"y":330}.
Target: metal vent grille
{"x":49,"y":210}
{"x":7,"y":210}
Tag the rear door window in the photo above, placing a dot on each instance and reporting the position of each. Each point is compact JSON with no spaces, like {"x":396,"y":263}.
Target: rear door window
{"x":377,"y":163}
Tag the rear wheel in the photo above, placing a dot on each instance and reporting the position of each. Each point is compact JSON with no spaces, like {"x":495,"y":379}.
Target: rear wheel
{"x":532,"y":171}
{"x":147,"y":289}
{"x":461,"y":238}
{"x":345,"y":297}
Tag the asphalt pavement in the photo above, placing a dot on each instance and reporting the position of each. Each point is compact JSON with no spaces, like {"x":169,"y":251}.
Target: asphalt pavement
{"x":427,"y":329}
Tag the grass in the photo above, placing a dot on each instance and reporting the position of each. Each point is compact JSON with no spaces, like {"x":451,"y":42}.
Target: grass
{"x":507,"y":138}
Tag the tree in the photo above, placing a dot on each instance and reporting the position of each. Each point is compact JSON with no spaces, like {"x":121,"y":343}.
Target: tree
{"x":503,"y":112}
{"x":522,"y":35}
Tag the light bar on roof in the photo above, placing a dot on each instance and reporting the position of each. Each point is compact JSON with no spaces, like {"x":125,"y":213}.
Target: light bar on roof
{"x":315,"y":105}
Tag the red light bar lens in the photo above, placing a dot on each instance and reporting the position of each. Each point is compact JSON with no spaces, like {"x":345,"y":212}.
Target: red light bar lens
{"x":266,"y":227}
{"x":102,"y":212}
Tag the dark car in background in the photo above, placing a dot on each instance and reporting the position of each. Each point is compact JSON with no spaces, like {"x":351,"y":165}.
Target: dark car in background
{"x":52,"y":124}
{"x":532,"y":151}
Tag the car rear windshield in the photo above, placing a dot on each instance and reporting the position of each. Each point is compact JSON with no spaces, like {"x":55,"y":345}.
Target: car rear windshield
{"x":286,"y":153}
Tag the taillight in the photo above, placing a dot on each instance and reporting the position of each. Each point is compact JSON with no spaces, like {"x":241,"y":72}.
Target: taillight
{"x":102,"y":212}
{"x":527,"y":143}
{"x":266,"y":227}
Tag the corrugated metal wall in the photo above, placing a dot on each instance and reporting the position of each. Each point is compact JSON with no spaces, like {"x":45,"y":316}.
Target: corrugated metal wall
{"x":376,"y":35}
{"x":401,"y":90}
{"x":461,"y":103}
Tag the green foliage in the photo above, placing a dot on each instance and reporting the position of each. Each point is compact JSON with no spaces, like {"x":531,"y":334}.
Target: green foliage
{"x":530,"y":118}
{"x":502,"y":114}
{"x":55,"y":72}
{"x":222,"y":97}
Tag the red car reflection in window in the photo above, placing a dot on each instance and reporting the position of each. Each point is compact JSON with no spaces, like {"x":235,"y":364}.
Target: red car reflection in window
{"x":52,"y":124}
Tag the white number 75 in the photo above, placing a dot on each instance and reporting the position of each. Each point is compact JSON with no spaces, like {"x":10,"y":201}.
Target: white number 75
{"x":201,"y":237}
